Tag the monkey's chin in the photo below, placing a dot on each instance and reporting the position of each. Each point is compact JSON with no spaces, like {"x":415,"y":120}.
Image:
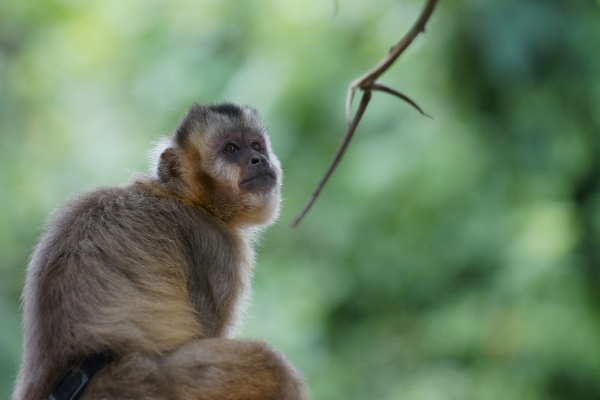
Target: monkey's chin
{"x":260,"y":184}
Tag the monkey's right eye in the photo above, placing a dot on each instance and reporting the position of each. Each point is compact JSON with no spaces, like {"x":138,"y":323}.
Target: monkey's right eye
{"x":231,"y":148}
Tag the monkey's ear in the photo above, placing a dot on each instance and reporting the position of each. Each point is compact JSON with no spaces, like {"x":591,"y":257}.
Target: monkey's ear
{"x":169,"y":166}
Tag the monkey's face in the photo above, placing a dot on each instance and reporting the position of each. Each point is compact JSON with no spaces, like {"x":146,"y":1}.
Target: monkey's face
{"x":246,"y":174}
{"x":222,"y":160}
{"x":246,"y":152}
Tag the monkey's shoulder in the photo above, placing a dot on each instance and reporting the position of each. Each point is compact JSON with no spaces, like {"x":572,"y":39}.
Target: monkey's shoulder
{"x":126,"y":207}
{"x":131,"y":222}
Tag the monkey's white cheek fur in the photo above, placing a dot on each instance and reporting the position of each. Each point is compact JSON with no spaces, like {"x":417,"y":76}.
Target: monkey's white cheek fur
{"x":227,"y":172}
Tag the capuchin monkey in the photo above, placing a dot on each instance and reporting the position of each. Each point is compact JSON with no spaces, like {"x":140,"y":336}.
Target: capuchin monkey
{"x":138,"y":288}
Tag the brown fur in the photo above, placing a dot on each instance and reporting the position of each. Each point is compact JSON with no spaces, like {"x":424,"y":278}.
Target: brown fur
{"x":155,"y":273}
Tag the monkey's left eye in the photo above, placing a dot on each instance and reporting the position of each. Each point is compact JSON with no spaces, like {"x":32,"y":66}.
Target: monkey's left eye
{"x":255,"y":146}
{"x":231,"y":148}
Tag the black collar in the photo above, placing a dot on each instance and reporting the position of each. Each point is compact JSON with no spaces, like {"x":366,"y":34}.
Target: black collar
{"x":73,"y":382}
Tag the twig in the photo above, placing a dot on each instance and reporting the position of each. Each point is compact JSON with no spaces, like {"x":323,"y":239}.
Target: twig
{"x":338,"y":156}
{"x":368,"y":79}
{"x":367,"y":83}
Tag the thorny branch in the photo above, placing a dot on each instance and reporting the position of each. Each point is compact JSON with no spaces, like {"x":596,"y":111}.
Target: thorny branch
{"x":367,"y":83}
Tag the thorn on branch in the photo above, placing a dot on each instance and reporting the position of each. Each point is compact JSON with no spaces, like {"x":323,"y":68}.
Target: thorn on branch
{"x":382,"y":88}
{"x":367,"y":80}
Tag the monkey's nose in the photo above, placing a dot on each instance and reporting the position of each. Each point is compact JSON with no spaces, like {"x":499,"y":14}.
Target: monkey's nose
{"x":254,"y":160}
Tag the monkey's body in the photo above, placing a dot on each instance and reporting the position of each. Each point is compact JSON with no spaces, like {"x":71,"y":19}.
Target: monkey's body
{"x":156,"y":278}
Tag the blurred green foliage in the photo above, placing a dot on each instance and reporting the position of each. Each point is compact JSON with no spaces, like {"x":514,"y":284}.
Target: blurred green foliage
{"x":455,"y":258}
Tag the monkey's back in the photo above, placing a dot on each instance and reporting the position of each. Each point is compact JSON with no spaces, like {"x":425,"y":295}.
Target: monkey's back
{"x":121,"y":269}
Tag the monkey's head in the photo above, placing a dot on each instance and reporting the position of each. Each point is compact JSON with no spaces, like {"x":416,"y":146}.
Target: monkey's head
{"x":220,"y":159}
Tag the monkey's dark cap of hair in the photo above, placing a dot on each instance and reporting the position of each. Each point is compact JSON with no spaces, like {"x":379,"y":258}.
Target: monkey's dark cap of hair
{"x":198,"y":114}
{"x":231,"y":110}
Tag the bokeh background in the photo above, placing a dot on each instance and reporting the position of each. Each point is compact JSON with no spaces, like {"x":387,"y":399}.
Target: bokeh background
{"x":453,"y":258}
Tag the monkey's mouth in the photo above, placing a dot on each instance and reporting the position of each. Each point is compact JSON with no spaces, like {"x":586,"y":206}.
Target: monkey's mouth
{"x":262,"y":181}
